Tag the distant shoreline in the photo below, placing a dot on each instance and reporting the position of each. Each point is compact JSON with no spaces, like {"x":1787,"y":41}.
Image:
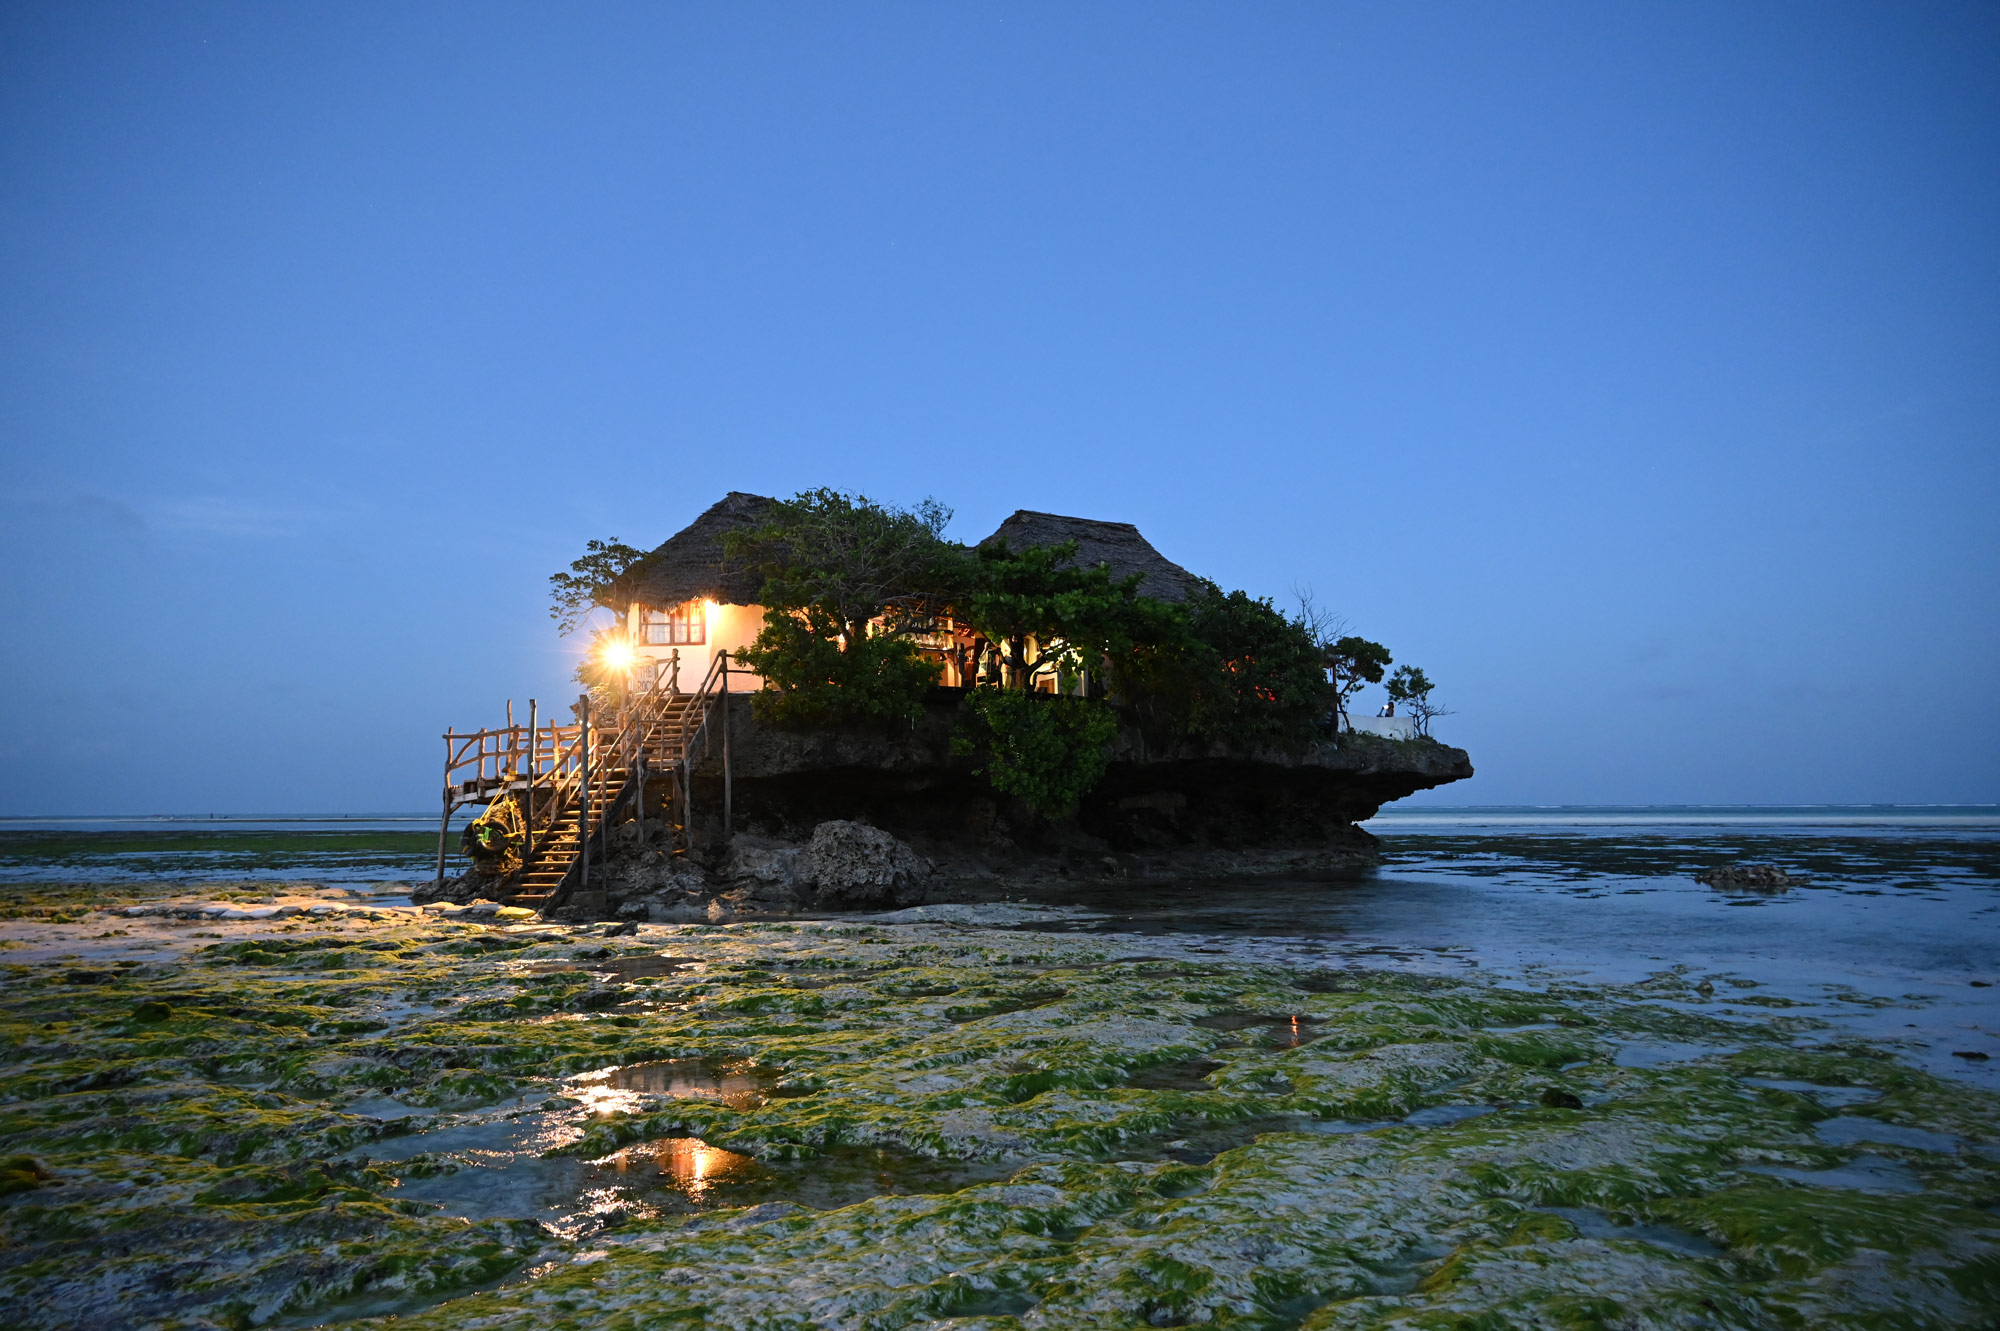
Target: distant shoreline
{"x":1456,"y":815}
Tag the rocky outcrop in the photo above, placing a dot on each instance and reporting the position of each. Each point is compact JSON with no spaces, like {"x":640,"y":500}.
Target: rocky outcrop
{"x":764,"y":866}
{"x":854,"y":866}
{"x":459,"y":890}
{"x":1758,"y":877}
{"x":1176,"y":812}
{"x":843,"y":866}
{"x":874,"y":818}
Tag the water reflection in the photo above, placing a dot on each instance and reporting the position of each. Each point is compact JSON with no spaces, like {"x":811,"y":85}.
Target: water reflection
{"x":1834,"y":1097}
{"x":1596,"y":1225}
{"x":633,"y":966}
{"x":1867,"y":1173}
{"x":1663,"y":1053}
{"x":1900,"y":905}
{"x":686,"y":1165}
{"x":1846,"y":1130}
{"x":740,"y":1085}
{"x":1288,"y":1032}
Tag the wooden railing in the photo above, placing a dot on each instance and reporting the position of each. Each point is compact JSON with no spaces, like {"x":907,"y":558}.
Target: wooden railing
{"x":585,"y":770}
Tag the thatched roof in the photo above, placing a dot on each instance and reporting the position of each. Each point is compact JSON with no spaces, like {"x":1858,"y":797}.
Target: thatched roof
{"x":1116,"y":544}
{"x":691,"y":565}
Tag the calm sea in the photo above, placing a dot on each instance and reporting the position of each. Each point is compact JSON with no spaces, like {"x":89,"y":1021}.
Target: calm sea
{"x":332,"y":849}
{"x":1895,"y":931}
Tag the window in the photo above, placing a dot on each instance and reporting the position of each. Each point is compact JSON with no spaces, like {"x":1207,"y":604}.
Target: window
{"x":683,"y":626}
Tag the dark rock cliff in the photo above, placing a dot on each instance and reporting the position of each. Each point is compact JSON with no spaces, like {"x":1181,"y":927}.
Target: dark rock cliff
{"x":1185,"y":810}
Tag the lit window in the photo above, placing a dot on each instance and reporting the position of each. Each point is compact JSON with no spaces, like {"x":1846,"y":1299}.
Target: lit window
{"x":683,"y":626}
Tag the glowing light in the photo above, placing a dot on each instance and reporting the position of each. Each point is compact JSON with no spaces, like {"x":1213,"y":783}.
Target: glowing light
{"x":687,"y":1164}
{"x":618,"y":655}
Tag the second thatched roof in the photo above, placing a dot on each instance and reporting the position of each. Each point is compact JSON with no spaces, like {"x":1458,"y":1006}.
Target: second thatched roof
{"x":1117,"y":545}
{"x":691,"y":566}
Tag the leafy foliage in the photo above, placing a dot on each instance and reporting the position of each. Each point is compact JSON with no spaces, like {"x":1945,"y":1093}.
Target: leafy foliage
{"x":850,"y":557}
{"x":814,"y":674}
{"x":1411,"y":689}
{"x":832,"y":562}
{"x":1036,"y":601}
{"x":1239,"y":669}
{"x":1045,"y":749}
{"x":573,"y":594}
{"x":1049,"y":617}
{"x":848,"y":583}
{"x":1266,"y":681}
{"x":1409,"y":684}
{"x":1354,"y":662}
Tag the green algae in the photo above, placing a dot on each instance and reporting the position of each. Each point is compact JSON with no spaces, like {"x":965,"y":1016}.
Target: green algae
{"x":994,"y":1130}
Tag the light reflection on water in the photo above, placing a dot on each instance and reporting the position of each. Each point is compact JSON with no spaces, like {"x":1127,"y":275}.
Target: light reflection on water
{"x":686,"y":1165}
{"x":500,"y":1162}
{"x":740,"y":1085}
{"x":500,"y":1166}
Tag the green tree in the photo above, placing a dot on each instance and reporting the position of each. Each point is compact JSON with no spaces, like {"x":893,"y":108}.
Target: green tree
{"x":1266,"y":680}
{"x":1354,"y":662}
{"x":1046,"y":750}
{"x":1049,"y":617}
{"x":852,"y":558}
{"x":573,"y":594}
{"x":1411,"y":688}
{"x":1239,"y":669}
{"x":846,"y":580}
{"x":814,"y":673}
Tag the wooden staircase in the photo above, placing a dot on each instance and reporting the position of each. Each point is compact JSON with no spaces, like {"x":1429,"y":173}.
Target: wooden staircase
{"x":578,"y":782}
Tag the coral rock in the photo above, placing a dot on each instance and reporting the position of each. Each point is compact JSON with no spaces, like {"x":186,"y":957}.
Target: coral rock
{"x":855,"y":865}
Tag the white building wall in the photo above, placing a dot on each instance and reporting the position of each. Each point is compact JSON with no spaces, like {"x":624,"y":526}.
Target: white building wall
{"x":730,"y":628}
{"x":1390,"y":727}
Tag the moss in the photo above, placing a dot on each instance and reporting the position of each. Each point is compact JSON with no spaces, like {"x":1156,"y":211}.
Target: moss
{"x":22,"y":1173}
{"x":1016,"y":1054}
{"x":1795,"y":1230}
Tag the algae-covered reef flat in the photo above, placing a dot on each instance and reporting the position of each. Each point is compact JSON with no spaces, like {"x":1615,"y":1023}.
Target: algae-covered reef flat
{"x":940,"y":1118}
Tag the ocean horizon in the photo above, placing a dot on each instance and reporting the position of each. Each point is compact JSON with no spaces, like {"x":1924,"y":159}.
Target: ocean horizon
{"x":1394,"y":815}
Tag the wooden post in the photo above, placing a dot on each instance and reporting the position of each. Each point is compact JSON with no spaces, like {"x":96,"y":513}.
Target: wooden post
{"x":728,"y":809}
{"x":583,"y":808}
{"x":626,"y":734}
{"x":639,"y":748}
{"x":512,"y":761}
{"x":528,"y":796}
{"x":444,"y":823}
{"x":684,"y":786}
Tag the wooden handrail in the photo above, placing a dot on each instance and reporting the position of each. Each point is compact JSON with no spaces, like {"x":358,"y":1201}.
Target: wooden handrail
{"x":579,"y":771}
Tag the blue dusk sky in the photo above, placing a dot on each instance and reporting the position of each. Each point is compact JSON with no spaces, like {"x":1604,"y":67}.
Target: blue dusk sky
{"x":1629,"y":367}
